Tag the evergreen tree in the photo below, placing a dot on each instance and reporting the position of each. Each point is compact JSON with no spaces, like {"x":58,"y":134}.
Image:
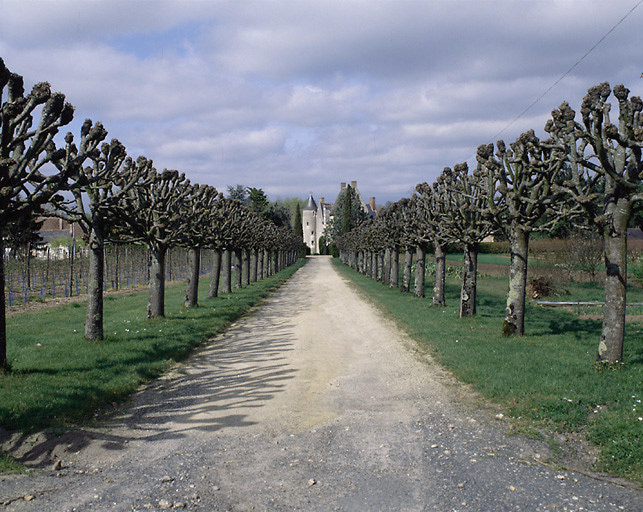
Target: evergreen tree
{"x":299,"y":230}
{"x":356,"y":215}
{"x":238,"y":192}
{"x":346,"y":212}
{"x":257,"y":200}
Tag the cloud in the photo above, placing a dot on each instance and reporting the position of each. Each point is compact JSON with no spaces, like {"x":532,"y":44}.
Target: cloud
{"x":298,"y":96}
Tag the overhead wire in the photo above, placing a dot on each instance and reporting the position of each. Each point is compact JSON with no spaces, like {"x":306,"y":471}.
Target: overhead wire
{"x":533,"y":103}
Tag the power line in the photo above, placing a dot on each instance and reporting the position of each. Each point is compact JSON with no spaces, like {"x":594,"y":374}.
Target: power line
{"x":531,"y":105}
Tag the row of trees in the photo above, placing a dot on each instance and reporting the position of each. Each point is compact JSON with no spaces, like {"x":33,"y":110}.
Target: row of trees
{"x":588,"y":172}
{"x":117,"y":198}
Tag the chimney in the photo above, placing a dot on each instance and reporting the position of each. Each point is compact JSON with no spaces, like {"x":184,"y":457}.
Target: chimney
{"x":372,"y":203}
{"x":342,"y":186}
{"x":354,"y":184}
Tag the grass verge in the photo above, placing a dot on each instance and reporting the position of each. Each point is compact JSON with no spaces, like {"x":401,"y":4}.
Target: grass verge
{"x":548,"y":377}
{"x":59,"y":379}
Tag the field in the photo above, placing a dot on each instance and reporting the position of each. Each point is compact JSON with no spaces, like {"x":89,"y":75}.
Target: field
{"x":546,"y":380}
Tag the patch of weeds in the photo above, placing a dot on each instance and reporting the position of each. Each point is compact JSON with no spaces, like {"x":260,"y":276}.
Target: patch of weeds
{"x":9,"y":465}
{"x":554,"y":446}
{"x":527,"y":432}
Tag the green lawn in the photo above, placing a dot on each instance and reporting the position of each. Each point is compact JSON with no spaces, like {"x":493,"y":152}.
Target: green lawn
{"x":58,"y":378}
{"x":548,"y":376}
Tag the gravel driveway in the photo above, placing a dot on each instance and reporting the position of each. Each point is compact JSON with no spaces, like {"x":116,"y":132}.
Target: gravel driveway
{"x":313,"y":402}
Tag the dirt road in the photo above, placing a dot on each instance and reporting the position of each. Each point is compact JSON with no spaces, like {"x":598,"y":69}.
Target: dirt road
{"x":313,"y":402}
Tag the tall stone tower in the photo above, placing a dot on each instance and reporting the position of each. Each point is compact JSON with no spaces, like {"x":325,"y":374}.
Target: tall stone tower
{"x":309,"y":224}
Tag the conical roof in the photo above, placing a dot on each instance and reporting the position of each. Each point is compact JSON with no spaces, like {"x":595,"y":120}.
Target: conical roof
{"x":310,"y":205}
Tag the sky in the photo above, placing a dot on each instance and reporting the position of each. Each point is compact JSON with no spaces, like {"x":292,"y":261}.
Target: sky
{"x":296,"y":96}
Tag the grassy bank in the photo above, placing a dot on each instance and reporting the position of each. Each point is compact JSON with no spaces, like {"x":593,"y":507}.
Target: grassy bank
{"x":548,"y":377}
{"x":58,"y":378}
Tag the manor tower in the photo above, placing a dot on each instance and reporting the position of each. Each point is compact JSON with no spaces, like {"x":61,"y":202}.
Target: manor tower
{"x":315,"y":216}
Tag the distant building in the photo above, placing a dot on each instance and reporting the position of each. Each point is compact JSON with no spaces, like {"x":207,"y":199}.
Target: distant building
{"x":55,"y":229}
{"x":316,"y":215}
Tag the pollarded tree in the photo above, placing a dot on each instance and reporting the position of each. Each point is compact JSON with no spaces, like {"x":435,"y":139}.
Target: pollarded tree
{"x":391,"y":226}
{"x":435,"y":208}
{"x":467,"y":221}
{"x":24,"y":151}
{"x":219,"y":239}
{"x":198,"y":207}
{"x":414,"y":235}
{"x":155,"y":215}
{"x":408,"y":239}
{"x":97,"y":189}
{"x":520,"y":187}
{"x":598,"y":148}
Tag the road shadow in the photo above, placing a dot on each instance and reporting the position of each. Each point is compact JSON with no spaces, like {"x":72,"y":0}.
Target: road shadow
{"x":215,"y":388}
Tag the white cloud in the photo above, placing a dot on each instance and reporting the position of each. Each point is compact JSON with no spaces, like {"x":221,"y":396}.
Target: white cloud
{"x":298,"y":96}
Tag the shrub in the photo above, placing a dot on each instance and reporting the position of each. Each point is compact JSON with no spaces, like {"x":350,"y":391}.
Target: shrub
{"x":493,"y":248}
{"x":540,"y":287}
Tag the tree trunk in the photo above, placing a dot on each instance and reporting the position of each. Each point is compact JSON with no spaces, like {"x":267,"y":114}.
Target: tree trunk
{"x":406,"y":276}
{"x":420,"y":271}
{"x":610,"y":348}
{"x":394,"y":279}
{"x":156,"y":301}
{"x":374,"y":265}
{"x":94,"y":316}
{"x":245,"y":267}
{"x":192,"y":285}
{"x":266,"y":264}
{"x":469,"y":281}
{"x":514,"y":322}
{"x":72,"y":251}
{"x":253,"y":266}
{"x":3,"y":321}
{"x":259,"y":264}
{"x":28,"y":265}
{"x":226,"y":278}
{"x":273,"y":263}
{"x":116,"y":268}
{"x":216,"y":272}
{"x":387,"y":266}
{"x":238,"y":271}
{"x":440,"y":275}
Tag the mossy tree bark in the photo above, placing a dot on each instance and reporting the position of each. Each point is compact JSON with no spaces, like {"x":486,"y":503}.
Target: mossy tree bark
{"x":253,"y":266}
{"x":394,"y":280}
{"x":192,"y":285}
{"x":3,"y":320}
{"x":94,"y":316}
{"x":245,"y":267}
{"x":226,"y":271}
{"x":387,"y":266}
{"x":610,"y":348}
{"x":213,"y":291}
{"x":420,"y":269}
{"x":266,"y":264}
{"x":238,"y":270}
{"x":440,"y":276}
{"x":514,"y":322}
{"x":469,"y":281}
{"x":156,"y":299}
{"x":406,"y":276}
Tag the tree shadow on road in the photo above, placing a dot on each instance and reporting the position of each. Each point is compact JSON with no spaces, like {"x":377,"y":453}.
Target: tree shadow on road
{"x":215,"y":388}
